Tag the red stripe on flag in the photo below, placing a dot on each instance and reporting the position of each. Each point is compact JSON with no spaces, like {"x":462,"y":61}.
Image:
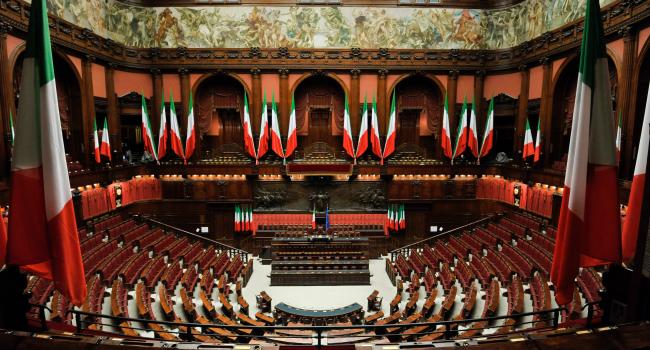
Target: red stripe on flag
{"x":47,"y":248}
{"x":631,"y":224}
{"x":592,"y":242}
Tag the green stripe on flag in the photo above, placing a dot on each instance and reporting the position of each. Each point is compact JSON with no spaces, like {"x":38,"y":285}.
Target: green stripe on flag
{"x":591,"y":49}
{"x":38,"y":39}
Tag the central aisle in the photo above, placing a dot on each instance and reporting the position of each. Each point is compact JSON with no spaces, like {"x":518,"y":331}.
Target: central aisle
{"x":320,"y":297}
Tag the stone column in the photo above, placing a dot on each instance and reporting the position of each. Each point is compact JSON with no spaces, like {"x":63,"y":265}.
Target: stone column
{"x":452,"y":86}
{"x":89,"y":113}
{"x":381,"y":100}
{"x":156,"y":101}
{"x":545,"y":108}
{"x":353,"y":101}
{"x":256,"y":100}
{"x":114,"y":122}
{"x":522,"y":112}
{"x":184,"y":76}
{"x":479,"y":80}
{"x":285,"y":101}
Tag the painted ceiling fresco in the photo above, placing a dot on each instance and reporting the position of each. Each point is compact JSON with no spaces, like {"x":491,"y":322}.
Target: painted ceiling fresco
{"x":319,"y":27}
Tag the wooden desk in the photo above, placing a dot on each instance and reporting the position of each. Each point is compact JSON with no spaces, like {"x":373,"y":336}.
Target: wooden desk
{"x":226,"y":307}
{"x":164,"y":302}
{"x":243,"y":305}
{"x":238,"y":288}
{"x":264,"y":318}
{"x":244,"y":319}
{"x":371,"y":299}
{"x":207,"y":304}
{"x":374,"y":317}
{"x":223,"y":333}
{"x":394,"y":304}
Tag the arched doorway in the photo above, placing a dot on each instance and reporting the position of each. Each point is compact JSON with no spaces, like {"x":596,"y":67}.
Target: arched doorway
{"x":419,"y":106}
{"x":564,"y":95}
{"x":68,"y":89}
{"x":218,"y":108}
{"x":505,"y":115}
{"x":320,"y":106}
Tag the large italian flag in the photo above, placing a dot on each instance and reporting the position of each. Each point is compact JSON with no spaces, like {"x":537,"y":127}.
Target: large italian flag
{"x":375,"y":142}
{"x":276,"y":139}
{"x":529,"y":145}
{"x":391,"y":134}
{"x":472,"y":141}
{"x":348,"y":144}
{"x":174,"y":131}
{"x":105,"y":146}
{"x":589,"y":231}
{"x":446,"y":131}
{"x":98,"y":156}
{"x":42,"y":236}
{"x":538,"y":141}
{"x":635,"y":202}
{"x":362,"y":143}
{"x":249,"y":143}
{"x":461,"y":133}
{"x":147,"y":133}
{"x":488,"y":134}
{"x":619,"y":136}
{"x":190,"y":133}
{"x":292,"y":135}
{"x":263,"y":144}
{"x":163,"y":131}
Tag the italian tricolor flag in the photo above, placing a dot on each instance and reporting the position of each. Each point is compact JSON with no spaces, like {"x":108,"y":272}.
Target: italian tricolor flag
{"x":538,"y":141}
{"x":249,"y":144}
{"x":362,"y":143}
{"x":446,"y":132}
{"x":162,"y":132}
{"x":589,"y":231}
{"x":276,"y":139}
{"x":391,"y":134}
{"x":635,"y":202}
{"x":402,"y":217}
{"x":375,"y":142}
{"x":472,"y":141}
{"x":461,"y":133}
{"x":313,"y":218}
{"x":619,"y":137}
{"x":488,"y":134}
{"x":174,"y":131}
{"x":190,"y":135}
{"x":529,"y":146}
{"x":98,"y":157}
{"x":237,"y":218}
{"x":292,"y":135}
{"x":42,"y":237}
{"x":263,"y":144}
{"x":105,"y":146}
{"x":348,"y":144}
{"x":147,"y":133}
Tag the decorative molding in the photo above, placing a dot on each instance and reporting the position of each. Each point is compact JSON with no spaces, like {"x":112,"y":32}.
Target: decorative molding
{"x":355,"y":73}
{"x":283,"y":72}
{"x":621,"y":19}
{"x":382,"y":72}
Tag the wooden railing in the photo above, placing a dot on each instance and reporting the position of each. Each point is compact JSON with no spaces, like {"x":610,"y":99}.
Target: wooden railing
{"x":406,"y":250}
{"x":232,"y":251}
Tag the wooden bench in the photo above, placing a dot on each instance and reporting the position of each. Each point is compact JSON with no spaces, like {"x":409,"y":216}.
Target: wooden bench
{"x":243,"y":305}
{"x":268,"y":320}
{"x":371,"y":319}
{"x":226,"y":307}
{"x":394,"y":304}
{"x":207,"y":304}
